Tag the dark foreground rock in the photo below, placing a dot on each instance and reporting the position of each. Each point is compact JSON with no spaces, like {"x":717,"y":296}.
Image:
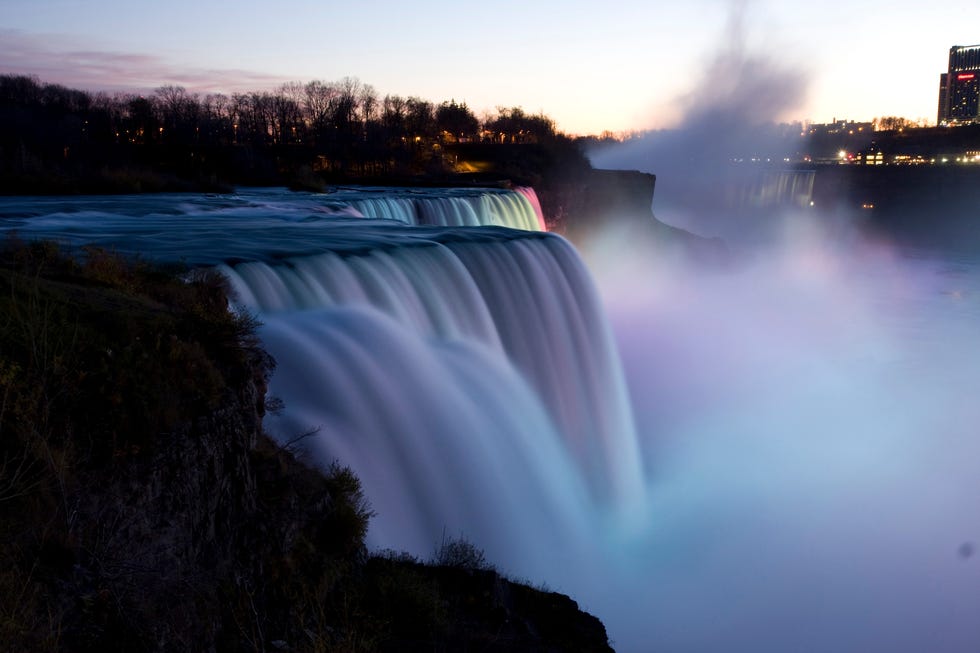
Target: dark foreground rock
{"x":453,"y":608}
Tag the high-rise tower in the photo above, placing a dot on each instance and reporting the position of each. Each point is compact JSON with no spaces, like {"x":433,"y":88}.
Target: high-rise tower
{"x":959,"y":87}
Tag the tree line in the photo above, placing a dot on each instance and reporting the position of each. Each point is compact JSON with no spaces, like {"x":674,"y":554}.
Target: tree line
{"x":321,"y":129}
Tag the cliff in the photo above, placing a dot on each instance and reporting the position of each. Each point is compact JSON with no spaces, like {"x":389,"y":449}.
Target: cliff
{"x":143,"y":509}
{"x":589,"y":203}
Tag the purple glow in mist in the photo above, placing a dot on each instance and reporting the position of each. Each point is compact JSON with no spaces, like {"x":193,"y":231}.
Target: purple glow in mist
{"x":807,"y":417}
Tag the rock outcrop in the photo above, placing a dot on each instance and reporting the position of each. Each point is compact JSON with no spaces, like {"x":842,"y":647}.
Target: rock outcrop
{"x":602,"y":203}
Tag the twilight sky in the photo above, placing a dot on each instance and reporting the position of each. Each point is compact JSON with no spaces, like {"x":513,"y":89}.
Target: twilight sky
{"x":617,"y":64}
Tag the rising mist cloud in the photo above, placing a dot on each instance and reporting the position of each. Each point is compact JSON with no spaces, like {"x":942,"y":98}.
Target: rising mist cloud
{"x":731,"y":112}
{"x":741,"y":86}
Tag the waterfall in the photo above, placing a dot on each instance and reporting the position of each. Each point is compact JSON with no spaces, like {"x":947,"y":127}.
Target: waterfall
{"x":444,"y":435}
{"x":467,"y":375}
{"x":518,"y":209}
{"x":488,"y":341}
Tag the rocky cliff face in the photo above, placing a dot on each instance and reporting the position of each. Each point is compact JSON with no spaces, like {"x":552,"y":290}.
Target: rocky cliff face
{"x":143,"y":509}
{"x":593,"y":203}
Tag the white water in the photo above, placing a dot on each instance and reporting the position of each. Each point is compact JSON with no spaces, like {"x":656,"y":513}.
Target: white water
{"x":527,"y":300}
{"x":807,"y":449}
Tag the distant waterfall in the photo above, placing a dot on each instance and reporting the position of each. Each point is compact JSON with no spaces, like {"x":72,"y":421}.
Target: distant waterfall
{"x":767,"y":189}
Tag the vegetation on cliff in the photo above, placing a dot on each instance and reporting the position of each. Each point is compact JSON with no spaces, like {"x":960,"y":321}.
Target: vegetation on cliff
{"x":143,"y":509}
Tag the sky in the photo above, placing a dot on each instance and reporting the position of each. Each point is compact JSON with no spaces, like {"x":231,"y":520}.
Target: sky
{"x":618,"y":65}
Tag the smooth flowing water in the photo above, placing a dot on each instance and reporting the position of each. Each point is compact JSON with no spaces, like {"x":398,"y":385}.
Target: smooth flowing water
{"x":803,"y":471}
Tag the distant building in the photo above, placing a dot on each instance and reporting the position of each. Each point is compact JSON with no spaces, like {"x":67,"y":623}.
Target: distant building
{"x":959,"y":87}
{"x":826,"y":142}
{"x":841,"y":127}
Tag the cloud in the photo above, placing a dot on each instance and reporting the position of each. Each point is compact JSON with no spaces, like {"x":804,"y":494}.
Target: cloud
{"x":67,"y":60}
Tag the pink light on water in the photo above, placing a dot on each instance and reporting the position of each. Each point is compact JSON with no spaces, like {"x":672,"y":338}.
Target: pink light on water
{"x":532,"y":197}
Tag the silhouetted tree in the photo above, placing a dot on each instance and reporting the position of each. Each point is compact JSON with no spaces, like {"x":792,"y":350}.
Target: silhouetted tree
{"x":887,"y":123}
{"x":346,"y":103}
{"x":216,"y":123}
{"x":141,"y":120}
{"x":19,"y":90}
{"x":286,"y":117}
{"x":394,"y":110}
{"x":62,"y":100}
{"x":180,"y":111}
{"x":456,"y":123}
{"x":256,"y":137}
{"x":515,"y":126}
{"x":368,"y":101}
{"x":419,"y":119}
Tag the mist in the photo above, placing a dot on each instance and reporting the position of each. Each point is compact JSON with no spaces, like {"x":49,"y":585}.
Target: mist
{"x":729,"y":135}
{"x":807,"y":416}
{"x":807,"y":424}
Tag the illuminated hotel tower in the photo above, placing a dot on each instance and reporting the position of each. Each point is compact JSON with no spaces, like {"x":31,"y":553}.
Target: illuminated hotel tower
{"x":959,"y":87}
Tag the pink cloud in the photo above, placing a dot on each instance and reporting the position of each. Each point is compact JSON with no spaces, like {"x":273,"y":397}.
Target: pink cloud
{"x":59,"y":60}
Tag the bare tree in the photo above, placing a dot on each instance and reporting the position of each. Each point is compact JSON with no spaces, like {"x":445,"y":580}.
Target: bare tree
{"x":319,"y":101}
{"x":216,"y":118}
{"x":889,"y":123}
{"x":176,"y":103}
{"x":393,"y":111}
{"x":253,"y":117}
{"x":286,"y":116}
{"x":369,"y":103}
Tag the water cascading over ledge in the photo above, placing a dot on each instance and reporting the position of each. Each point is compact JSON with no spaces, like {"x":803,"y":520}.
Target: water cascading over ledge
{"x":467,"y":375}
{"x":76,"y":218}
{"x":518,"y":209}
